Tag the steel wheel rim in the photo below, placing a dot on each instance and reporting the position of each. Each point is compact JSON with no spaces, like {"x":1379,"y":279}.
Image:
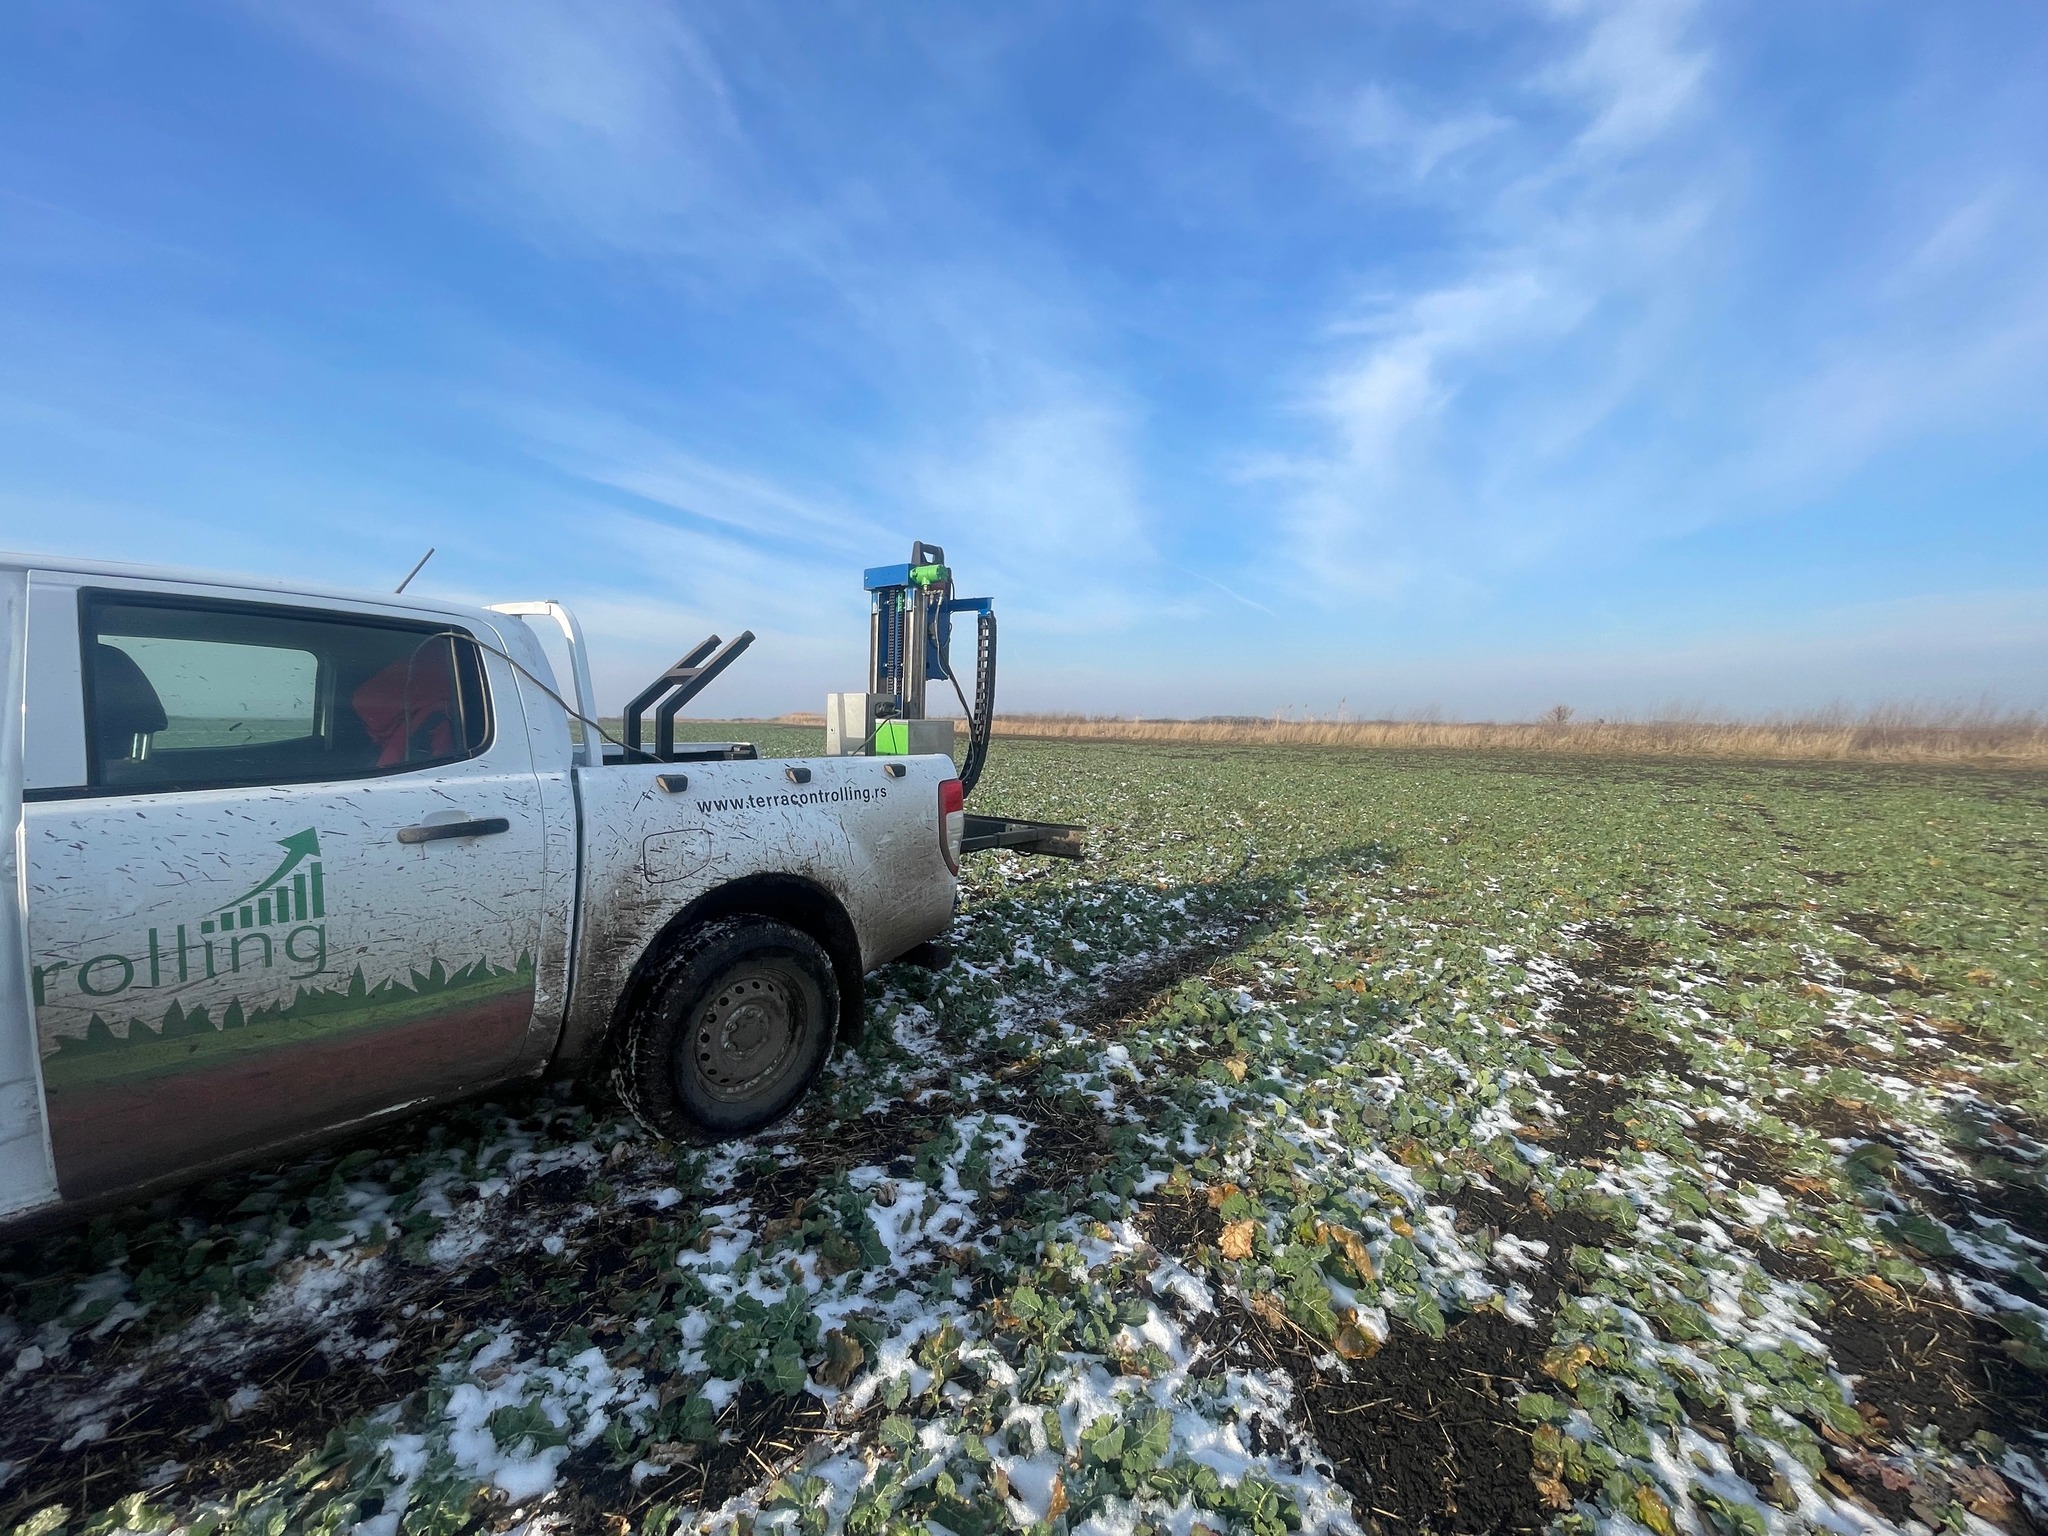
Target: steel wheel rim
{"x":746,"y":1034}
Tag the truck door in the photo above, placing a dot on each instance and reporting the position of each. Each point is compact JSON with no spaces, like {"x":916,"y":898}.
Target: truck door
{"x":292,"y":878}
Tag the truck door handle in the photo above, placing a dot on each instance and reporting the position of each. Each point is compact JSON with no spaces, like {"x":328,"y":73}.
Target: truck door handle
{"x":434,"y":831}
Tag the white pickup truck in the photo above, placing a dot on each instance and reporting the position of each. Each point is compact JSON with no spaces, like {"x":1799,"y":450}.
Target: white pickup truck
{"x":282,"y":861}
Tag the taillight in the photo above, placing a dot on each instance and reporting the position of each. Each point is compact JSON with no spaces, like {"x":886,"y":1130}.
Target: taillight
{"x":952,"y":821}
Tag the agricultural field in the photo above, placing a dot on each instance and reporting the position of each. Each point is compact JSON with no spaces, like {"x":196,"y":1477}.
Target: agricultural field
{"x":1358,"y":1142}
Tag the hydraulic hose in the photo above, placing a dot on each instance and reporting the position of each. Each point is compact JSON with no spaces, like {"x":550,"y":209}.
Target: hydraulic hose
{"x":981,"y":716}
{"x":981,"y":724}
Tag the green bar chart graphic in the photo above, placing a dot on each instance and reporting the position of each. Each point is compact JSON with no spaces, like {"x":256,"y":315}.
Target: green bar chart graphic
{"x":294,"y":892}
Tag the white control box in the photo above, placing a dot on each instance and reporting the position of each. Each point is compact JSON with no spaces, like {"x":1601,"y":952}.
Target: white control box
{"x":849,"y":723}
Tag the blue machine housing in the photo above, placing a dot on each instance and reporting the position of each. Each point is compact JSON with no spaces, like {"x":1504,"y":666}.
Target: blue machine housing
{"x":891,"y":586}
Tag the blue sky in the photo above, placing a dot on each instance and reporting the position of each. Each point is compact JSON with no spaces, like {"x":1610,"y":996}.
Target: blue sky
{"x":1388,"y":357}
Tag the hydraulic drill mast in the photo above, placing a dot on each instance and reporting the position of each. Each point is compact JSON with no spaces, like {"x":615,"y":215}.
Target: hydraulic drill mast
{"x":910,"y":636}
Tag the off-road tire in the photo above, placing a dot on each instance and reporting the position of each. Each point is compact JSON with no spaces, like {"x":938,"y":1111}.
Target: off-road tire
{"x":732,"y":1031}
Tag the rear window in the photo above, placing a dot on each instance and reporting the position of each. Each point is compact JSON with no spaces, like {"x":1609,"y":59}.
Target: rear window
{"x":187,"y":694}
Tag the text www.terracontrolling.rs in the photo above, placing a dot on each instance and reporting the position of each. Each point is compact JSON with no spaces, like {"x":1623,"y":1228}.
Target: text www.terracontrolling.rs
{"x":860,"y":792}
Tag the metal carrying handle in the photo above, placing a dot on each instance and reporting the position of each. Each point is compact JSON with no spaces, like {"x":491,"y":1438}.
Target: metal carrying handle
{"x":681,"y":683}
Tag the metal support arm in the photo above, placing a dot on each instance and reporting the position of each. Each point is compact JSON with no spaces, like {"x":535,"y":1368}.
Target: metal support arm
{"x":681,"y":683}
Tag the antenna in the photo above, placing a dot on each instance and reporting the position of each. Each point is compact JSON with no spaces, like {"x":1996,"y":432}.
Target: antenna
{"x":413,"y":572}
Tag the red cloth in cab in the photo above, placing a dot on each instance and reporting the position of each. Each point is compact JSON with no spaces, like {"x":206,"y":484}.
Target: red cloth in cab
{"x":409,"y":708}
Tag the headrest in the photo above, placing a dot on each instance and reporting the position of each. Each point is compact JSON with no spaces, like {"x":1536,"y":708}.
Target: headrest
{"x":125,"y":702}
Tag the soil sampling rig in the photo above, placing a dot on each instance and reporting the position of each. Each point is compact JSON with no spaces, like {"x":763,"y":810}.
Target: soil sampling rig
{"x":911,"y":608}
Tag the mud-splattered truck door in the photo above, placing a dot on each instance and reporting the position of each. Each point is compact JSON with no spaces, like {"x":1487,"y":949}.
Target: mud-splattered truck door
{"x":285,"y":865}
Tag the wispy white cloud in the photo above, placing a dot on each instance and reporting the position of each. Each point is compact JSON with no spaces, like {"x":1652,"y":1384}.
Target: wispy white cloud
{"x":1373,"y":119}
{"x":611,"y":450}
{"x":1047,"y":500}
{"x":1229,"y":591}
{"x":1466,"y":427}
{"x":1444,"y":412}
{"x":1867,"y":395}
{"x":994,"y":435}
{"x":1041,"y":507}
{"x":1962,"y":236}
{"x":1637,"y":69}
{"x":646,"y":590}
{"x":614,"y":121}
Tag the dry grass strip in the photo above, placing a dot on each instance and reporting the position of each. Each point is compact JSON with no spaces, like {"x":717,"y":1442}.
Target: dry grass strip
{"x":2000,"y":741}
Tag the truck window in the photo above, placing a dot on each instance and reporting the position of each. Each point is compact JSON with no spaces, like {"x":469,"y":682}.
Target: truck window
{"x":192,"y":694}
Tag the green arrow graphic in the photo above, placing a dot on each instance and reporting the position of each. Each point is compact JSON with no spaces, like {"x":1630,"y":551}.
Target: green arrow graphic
{"x":298,"y":846}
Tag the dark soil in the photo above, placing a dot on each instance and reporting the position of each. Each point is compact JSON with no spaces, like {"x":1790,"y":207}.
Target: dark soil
{"x":1613,"y":1059}
{"x":1124,"y":1002}
{"x":1796,"y":1264}
{"x":1591,"y":1013}
{"x":1745,"y":1156}
{"x":1921,"y":1361}
{"x":760,"y":1432}
{"x":2023,"y":1206}
{"x":185,"y":1418}
{"x":183,"y":1415}
{"x":1875,"y":929}
{"x":1871,"y":980}
{"x":1835,"y":1119}
{"x":1424,"y":1434}
{"x":307,"y":1392}
{"x":1517,"y":1215}
{"x":1732,"y":933}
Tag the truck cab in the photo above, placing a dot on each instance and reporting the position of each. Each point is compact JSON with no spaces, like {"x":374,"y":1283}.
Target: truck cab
{"x":287,"y":860}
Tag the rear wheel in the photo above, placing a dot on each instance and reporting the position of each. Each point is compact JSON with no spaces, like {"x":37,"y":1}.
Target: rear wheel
{"x":734,"y":1030}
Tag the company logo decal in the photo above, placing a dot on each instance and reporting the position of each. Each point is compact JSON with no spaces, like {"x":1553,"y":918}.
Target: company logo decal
{"x":278,"y":922}
{"x":275,"y":932}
